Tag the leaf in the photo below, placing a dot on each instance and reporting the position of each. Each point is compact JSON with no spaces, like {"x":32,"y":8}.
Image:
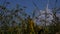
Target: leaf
{"x":1,"y":17}
{"x":16,"y":11}
{"x":8,"y":2}
{"x":21,"y":9}
{"x":24,"y":7}
{"x":2,"y":7}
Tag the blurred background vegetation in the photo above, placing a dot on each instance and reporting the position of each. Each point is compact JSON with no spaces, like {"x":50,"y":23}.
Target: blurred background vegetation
{"x":17,"y":21}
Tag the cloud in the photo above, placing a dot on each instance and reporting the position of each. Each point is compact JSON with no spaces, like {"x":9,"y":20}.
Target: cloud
{"x":41,"y":17}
